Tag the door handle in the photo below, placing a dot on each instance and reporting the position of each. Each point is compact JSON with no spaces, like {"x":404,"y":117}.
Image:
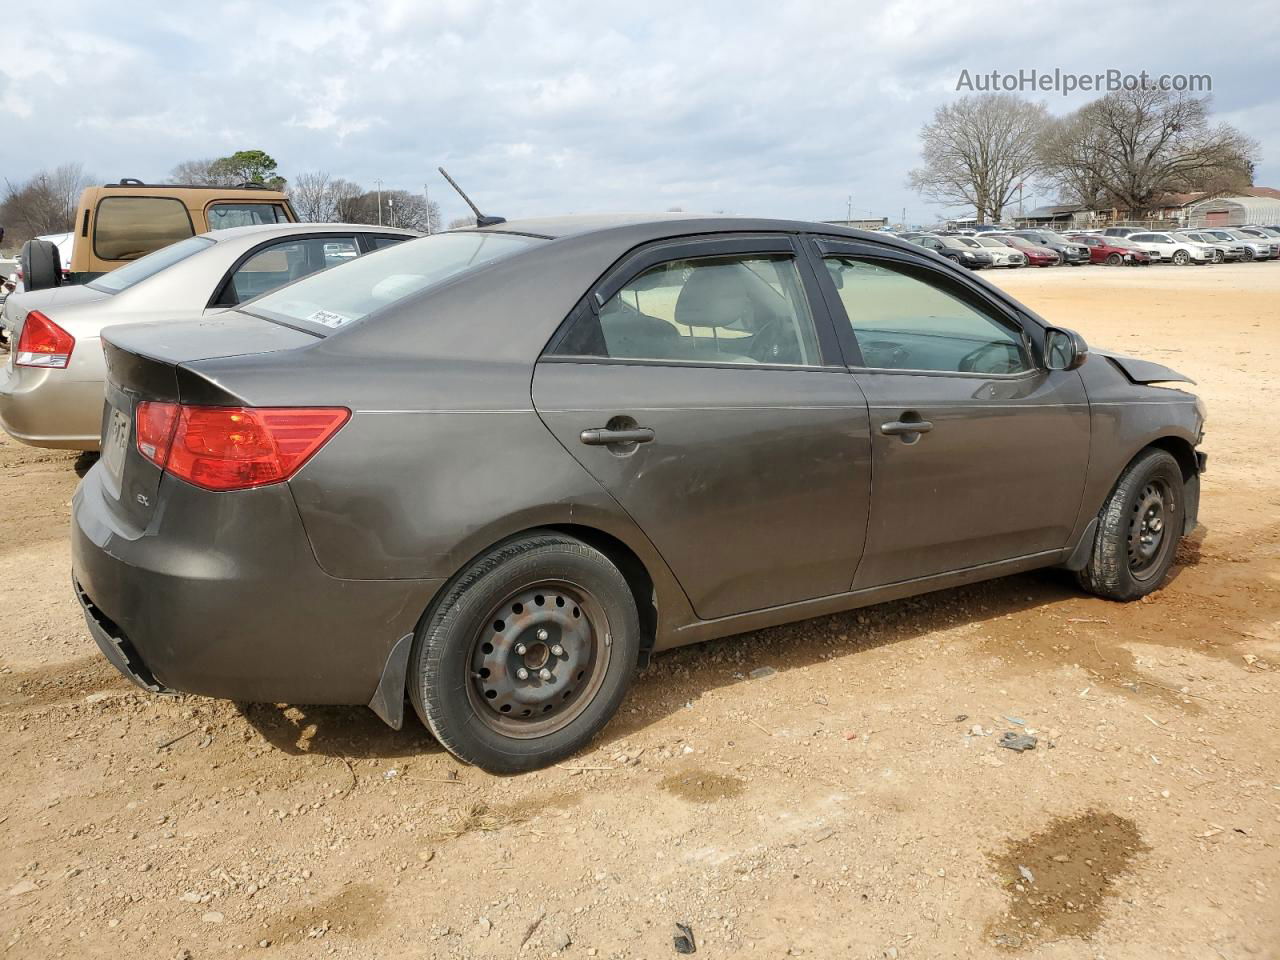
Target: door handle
{"x":604,"y":436}
{"x":899,"y":428}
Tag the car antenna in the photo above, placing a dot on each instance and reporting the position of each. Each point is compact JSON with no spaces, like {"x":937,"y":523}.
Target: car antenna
{"x":481,"y":219}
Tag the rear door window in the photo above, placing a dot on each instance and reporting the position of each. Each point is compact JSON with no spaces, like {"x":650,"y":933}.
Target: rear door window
{"x":280,"y":263}
{"x":743,"y":310}
{"x":127,"y":228}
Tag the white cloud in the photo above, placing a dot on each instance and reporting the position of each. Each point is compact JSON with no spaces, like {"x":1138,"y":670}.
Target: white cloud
{"x":544,"y":107}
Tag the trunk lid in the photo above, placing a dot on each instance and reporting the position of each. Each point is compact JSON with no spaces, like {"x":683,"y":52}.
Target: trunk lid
{"x":150,"y":362}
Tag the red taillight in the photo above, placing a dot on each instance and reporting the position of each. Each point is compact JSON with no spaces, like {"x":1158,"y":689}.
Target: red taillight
{"x":233,"y":448}
{"x":43,"y":343}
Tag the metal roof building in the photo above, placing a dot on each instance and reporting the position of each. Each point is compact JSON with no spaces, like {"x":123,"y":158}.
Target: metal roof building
{"x":1233,"y":211}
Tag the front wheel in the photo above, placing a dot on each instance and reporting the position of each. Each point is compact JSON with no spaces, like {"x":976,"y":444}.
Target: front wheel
{"x":1114,"y":259}
{"x":528,"y":654}
{"x":1181,"y":257}
{"x":1138,"y":529}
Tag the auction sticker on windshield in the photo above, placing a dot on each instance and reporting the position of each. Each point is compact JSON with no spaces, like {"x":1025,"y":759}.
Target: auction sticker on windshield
{"x":328,"y":318}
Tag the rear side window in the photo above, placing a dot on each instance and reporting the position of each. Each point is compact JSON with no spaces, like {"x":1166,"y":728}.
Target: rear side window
{"x":336,"y":298}
{"x":745,"y":310}
{"x":906,"y":318}
{"x":380,"y":243}
{"x":223,"y":216}
{"x":127,"y":228}
{"x":281,"y":263}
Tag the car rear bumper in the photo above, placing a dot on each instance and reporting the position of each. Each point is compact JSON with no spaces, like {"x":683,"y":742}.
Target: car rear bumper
{"x":43,"y":408}
{"x":221,"y":595}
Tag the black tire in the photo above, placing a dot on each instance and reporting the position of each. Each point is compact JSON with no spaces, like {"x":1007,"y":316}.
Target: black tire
{"x":482,"y":716}
{"x":1181,"y":257}
{"x":1249,"y":255}
{"x":41,"y":265}
{"x":1123,"y":566}
{"x":1114,"y":259}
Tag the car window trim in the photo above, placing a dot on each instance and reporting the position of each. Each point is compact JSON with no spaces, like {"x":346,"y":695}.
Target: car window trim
{"x":97,"y":221}
{"x":640,"y":259}
{"x":821,"y":246}
{"x":223,"y":286}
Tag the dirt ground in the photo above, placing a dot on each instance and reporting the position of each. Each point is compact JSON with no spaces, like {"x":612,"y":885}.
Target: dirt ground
{"x":828,"y":789}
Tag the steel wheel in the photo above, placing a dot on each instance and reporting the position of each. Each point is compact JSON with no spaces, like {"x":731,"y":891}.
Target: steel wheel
{"x":1148,"y":528}
{"x":539,"y":659}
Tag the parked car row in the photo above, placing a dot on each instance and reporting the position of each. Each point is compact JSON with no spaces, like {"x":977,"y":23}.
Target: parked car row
{"x":482,"y":476}
{"x":1114,"y":246}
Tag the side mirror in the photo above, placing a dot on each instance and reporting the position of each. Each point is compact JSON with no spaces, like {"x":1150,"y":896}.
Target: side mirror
{"x":1064,"y":349}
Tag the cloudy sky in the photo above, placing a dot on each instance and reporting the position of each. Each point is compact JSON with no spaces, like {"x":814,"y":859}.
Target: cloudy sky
{"x":779,"y":109}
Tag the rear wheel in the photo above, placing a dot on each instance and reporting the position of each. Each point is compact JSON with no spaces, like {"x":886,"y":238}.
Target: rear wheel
{"x":1138,"y":530}
{"x":528,"y":654}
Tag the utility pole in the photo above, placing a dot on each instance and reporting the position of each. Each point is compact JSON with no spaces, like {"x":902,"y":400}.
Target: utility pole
{"x":379,"y":184}
{"x":391,"y":211}
{"x":848,"y":217}
{"x":426,"y":196}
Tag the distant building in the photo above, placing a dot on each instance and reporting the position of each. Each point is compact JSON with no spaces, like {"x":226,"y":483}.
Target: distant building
{"x":1237,"y":210}
{"x":869,"y":223}
{"x":1061,"y":215}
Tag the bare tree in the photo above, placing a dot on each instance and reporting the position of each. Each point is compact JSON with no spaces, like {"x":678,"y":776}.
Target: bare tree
{"x":201,"y":173}
{"x":1133,"y":146}
{"x":457,"y":222}
{"x":977,"y":150}
{"x":46,"y":203}
{"x":312,"y":196}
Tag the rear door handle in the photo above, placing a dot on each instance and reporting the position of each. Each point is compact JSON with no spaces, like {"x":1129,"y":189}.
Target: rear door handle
{"x":603,"y":436}
{"x":898,"y":428}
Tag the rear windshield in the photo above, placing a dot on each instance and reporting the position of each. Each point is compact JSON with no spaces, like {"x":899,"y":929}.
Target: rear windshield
{"x":148,"y":266}
{"x":351,"y":291}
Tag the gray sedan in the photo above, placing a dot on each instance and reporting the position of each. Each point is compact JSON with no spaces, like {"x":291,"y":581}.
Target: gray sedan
{"x":51,"y":386}
{"x":492,"y":471}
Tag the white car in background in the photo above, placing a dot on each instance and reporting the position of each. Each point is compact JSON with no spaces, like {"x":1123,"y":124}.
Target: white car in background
{"x":1255,"y":247}
{"x":1165,"y":246}
{"x":1002,"y":255}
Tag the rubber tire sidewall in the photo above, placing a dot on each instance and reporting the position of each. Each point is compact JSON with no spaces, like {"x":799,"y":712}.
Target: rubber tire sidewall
{"x":439,"y":668}
{"x":1107,"y":573}
{"x":41,"y":264}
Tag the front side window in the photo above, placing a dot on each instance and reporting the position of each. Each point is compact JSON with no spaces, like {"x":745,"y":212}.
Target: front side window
{"x":222,"y":216}
{"x":905,"y":318}
{"x":127,"y":228}
{"x":290,"y":260}
{"x":744,"y":310}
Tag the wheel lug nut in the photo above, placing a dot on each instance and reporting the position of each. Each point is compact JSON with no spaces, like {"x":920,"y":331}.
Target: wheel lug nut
{"x":558,"y":650}
{"x":544,"y":674}
{"x":542,"y":633}
{"x":521,"y":649}
{"x":522,"y":673}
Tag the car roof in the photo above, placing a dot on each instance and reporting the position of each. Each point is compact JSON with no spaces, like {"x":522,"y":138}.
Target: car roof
{"x":647,"y":225}
{"x":283,"y":229}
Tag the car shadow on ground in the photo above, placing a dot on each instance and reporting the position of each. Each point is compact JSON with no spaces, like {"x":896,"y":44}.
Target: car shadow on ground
{"x":677,"y":677}
{"x":350,"y":732}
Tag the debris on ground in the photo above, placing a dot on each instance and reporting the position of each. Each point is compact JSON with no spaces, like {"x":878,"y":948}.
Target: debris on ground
{"x":760,"y":673}
{"x":1017,"y":741}
{"x":683,"y":940}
